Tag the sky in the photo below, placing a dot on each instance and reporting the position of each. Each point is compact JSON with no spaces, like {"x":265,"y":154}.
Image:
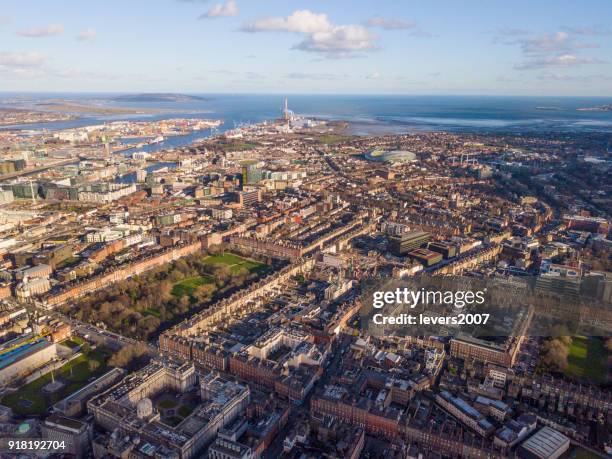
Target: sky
{"x":463,"y":47}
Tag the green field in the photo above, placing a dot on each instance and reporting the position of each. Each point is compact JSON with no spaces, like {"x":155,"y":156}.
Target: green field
{"x":587,"y":359}
{"x":73,"y":342}
{"x":235,"y":262}
{"x":189,"y":285}
{"x":31,"y":400}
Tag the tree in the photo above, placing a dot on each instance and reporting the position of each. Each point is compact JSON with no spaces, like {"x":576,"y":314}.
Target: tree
{"x":204,"y":293}
{"x":130,"y":357}
{"x":85,"y":349}
{"x":554,"y":353}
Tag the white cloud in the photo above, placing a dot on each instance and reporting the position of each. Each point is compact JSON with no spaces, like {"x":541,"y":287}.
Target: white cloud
{"x":221,"y":10}
{"x":559,"y":49}
{"x":390,"y":24}
{"x":301,"y":21}
{"x":320,"y":35}
{"x":373,"y":76}
{"x":589,"y":30}
{"x":561,"y":60}
{"x":34,"y":65}
{"x":312,"y":76}
{"x":558,"y":41}
{"x":88,"y":34}
{"x":21,"y":60}
{"x":36,"y":32}
{"x":549,"y":76}
{"x":22,"y":65}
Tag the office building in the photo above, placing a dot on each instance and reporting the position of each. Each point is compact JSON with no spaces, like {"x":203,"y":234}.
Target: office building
{"x":406,"y":242}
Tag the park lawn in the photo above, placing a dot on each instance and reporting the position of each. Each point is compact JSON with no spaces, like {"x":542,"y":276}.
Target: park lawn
{"x":587,"y":359}
{"x":74,"y":374}
{"x":189,"y":285}
{"x":228,"y":259}
{"x":251,"y":265}
{"x":73,"y":342}
{"x":235,"y":262}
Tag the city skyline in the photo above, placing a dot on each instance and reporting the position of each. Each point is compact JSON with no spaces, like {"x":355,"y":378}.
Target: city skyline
{"x":314,"y":47}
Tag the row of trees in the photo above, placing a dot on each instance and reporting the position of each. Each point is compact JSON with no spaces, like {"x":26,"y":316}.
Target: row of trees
{"x":131,"y":357}
{"x":139,"y":306}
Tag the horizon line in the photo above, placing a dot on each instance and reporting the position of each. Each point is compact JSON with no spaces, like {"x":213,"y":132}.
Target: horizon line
{"x":289,"y":94}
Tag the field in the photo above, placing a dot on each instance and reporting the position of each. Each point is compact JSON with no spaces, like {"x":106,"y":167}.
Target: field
{"x":587,"y":359}
{"x":235,"y":262}
{"x":73,"y":342}
{"x":31,"y":400}
{"x":189,"y":285}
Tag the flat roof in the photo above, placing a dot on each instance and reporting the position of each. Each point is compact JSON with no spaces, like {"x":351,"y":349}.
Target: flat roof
{"x":545,"y":442}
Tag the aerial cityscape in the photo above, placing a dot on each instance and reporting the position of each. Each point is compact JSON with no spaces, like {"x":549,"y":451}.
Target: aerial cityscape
{"x":241,"y":231}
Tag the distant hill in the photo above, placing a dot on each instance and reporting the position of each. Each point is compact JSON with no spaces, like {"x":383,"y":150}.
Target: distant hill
{"x":157,"y":97}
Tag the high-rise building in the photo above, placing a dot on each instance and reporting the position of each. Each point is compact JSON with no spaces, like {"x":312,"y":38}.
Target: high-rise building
{"x":251,"y":173}
{"x":249,"y":197}
{"x":406,"y":242}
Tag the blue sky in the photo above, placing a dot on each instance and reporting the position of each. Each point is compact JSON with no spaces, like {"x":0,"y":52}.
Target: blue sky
{"x":315,"y":46}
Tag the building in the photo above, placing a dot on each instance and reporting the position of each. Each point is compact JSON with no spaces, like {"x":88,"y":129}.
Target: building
{"x":6,"y":196}
{"x":128,"y":408}
{"x":221,"y":214}
{"x":546,"y":443}
{"x":406,"y":242}
{"x":224,"y":448}
{"x":32,"y":287}
{"x":102,"y":193}
{"x":21,"y":358}
{"x":251,"y":173}
{"x":75,"y":435}
{"x":500,"y":353}
{"x":75,"y":403}
{"x":590,"y":224}
{"x":466,"y":413}
{"x":425,"y":257}
{"x":249,"y":197}
{"x":447,"y":250}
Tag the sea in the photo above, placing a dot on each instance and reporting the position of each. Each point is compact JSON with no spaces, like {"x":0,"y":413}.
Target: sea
{"x":366,"y":114}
